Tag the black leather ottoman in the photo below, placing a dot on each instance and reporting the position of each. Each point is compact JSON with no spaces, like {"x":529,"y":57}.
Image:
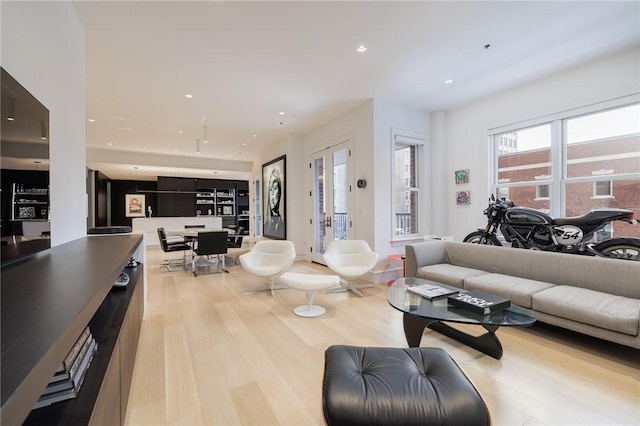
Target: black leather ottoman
{"x":395,"y":386}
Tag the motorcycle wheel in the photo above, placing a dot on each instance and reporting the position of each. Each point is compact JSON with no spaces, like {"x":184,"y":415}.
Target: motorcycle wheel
{"x":620,"y":248}
{"x":478,"y":237}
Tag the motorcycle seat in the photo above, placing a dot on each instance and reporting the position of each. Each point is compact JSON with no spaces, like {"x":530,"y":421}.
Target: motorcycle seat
{"x":591,"y":218}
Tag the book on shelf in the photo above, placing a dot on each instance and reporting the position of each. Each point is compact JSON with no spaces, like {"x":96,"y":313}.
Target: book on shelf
{"x":68,"y":389}
{"x":479,"y":302}
{"x":68,"y":374}
{"x":431,"y":291}
{"x":62,"y":385}
{"x":73,"y":353}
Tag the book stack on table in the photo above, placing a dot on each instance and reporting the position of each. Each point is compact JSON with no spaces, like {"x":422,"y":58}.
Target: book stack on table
{"x":67,"y":380}
{"x":431,"y":291}
{"x":479,"y":302}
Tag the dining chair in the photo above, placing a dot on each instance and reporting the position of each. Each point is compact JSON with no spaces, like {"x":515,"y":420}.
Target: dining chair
{"x":209,"y":244}
{"x":235,"y":246}
{"x":170,"y":247}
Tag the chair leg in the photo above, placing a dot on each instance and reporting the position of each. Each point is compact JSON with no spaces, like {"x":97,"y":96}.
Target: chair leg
{"x":269,"y":287}
{"x":347,"y":285}
{"x":233,"y":260}
{"x":224,"y":268}
{"x":173,"y":265}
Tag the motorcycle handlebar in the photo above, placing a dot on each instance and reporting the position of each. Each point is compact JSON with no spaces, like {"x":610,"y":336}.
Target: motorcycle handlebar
{"x":501,"y":202}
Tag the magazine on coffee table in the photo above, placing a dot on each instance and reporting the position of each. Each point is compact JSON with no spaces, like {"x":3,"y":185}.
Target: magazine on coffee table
{"x":431,"y":291}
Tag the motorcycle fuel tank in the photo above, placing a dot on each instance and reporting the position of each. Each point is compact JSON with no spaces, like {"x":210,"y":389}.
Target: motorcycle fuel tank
{"x":527,"y":216}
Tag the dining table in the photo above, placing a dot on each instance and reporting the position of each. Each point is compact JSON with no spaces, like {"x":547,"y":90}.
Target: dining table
{"x":190,"y":236}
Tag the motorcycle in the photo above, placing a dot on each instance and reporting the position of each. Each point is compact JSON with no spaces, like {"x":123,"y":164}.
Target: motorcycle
{"x":527,"y":228}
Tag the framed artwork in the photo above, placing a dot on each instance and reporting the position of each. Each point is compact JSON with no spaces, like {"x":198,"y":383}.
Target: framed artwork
{"x":463,"y":198}
{"x":462,"y":176}
{"x":274,"y":225}
{"x":134,"y":205}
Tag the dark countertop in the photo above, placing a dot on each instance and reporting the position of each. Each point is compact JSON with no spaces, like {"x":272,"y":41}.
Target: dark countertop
{"x":46,"y":302}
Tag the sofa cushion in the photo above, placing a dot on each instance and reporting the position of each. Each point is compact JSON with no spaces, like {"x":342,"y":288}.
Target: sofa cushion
{"x":448,"y":274}
{"x":594,"y":273}
{"x":518,"y":290}
{"x":591,"y":307}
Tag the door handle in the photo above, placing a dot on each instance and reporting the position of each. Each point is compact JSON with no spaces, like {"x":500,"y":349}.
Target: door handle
{"x":328,"y":222}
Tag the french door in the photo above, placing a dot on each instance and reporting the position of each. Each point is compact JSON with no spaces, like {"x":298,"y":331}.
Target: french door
{"x":332,"y":197}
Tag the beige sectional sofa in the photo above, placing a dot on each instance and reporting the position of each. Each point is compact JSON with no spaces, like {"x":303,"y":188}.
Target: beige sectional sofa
{"x":591,"y":295}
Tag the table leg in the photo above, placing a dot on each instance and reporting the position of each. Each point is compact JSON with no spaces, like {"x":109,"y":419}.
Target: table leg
{"x":413,"y":328}
{"x":487,"y":343}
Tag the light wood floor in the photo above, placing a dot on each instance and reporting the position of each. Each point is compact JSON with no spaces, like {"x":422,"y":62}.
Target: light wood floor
{"x":212,"y":354}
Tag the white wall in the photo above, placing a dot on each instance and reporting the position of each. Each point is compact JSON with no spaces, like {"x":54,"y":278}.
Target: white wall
{"x":369,"y":126}
{"x":289,"y":146}
{"x":43,"y":49}
{"x":357,"y":125}
{"x":464,"y":141}
{"x":387,"y":117}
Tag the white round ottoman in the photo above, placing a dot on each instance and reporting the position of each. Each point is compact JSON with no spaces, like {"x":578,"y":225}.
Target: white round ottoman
{"x":309,"y":283}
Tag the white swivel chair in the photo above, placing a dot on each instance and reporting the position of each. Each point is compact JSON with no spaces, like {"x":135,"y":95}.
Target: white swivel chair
{"x":350,"y":259}
{"x":269,"y":258}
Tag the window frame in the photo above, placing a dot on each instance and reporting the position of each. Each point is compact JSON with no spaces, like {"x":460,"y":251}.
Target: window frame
{"x":559,"y":180}
{"x":609,"y":184}
{"x":401,"y":139}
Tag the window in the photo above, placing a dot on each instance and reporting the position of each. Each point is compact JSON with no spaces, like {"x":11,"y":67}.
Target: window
{"x":602,"y":188}
{"x":573,"y":162}
{"x":406,"y":185}
{"x":542,"y":191}
{"x":503,"y":192}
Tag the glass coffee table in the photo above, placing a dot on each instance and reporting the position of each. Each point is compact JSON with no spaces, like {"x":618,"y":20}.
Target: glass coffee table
{"x":420,"y":312}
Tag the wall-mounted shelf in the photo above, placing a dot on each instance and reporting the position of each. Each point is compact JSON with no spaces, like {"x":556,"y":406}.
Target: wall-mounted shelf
{"x":184,"y":197}
{"x":29,"y":203}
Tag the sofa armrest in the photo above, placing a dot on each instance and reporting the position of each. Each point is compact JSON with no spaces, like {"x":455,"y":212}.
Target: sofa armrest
{"x":423,"y":254}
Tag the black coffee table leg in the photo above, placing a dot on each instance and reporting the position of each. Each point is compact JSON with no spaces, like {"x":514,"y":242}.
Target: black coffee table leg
{"x":487,"y":343}
{"x":413,"y":328}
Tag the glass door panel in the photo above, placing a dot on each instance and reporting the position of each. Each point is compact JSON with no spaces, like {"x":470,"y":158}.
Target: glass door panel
{"x":331,"y":198}
{"x":340,"y":195}
{"x":319,"y":205}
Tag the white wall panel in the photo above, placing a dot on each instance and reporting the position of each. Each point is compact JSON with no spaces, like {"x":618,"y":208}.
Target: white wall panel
{"x":43,"y":49}
{"x":467,"y":127}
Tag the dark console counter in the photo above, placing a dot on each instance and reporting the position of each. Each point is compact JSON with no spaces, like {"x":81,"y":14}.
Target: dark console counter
{"x":47,"y":301}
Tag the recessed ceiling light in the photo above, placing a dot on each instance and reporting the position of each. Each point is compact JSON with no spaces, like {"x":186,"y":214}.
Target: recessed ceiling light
{"x":244,"y":144}
{"x":91,"y":120}
{"x":361,"y":49}
{"x":448,"y":81}
{"x":175,"y":150}
{"x":281,"y":113}
{"x":179,"y":131}
{"x":109,"y":143}
{"x":255,"y":136}
{"x":188,"y":95}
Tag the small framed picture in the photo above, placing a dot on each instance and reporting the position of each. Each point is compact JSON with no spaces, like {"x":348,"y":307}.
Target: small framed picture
{"x":462,"y":176}
{"x":463,"y":198}
{"x":134,"y":205}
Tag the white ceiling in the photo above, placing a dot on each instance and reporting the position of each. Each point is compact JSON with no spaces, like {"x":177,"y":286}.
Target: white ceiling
{"x":245,"y":62}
